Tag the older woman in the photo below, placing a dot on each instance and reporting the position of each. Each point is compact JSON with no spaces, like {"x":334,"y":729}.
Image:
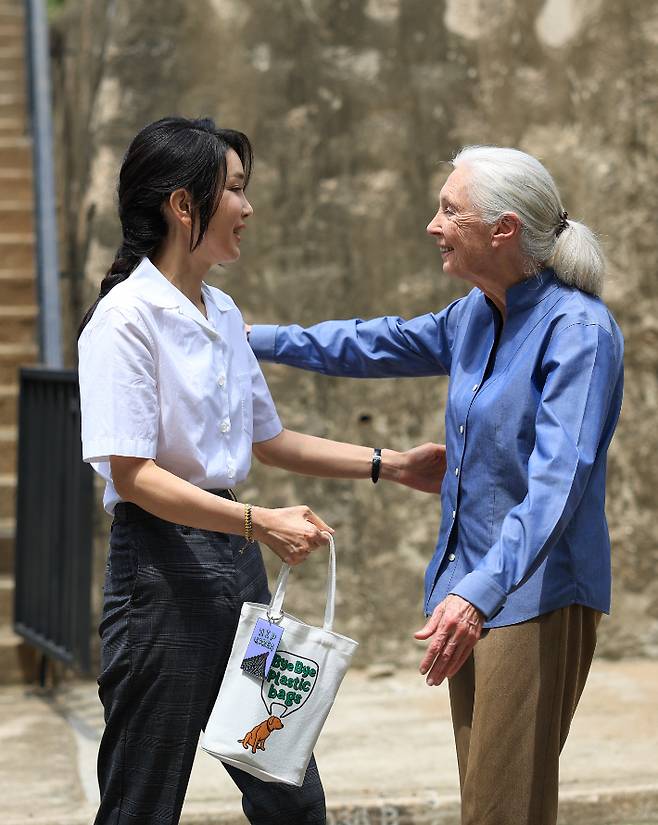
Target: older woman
{"x":522,"y":561}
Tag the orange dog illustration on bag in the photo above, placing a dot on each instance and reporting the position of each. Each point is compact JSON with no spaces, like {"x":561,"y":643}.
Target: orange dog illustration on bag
{"x":256,"y":737}
{"x":284,"y":690}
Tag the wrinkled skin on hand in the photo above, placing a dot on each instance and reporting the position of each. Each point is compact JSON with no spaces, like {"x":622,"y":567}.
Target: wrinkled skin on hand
{"x":453,"y":630}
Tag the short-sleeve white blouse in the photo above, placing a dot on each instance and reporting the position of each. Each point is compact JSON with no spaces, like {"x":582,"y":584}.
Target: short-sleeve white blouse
{"x":158,"y":380}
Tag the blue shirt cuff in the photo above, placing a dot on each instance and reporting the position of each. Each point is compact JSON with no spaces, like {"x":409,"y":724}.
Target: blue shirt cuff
{"x":262,"y":339}
{"x":482,"y":591}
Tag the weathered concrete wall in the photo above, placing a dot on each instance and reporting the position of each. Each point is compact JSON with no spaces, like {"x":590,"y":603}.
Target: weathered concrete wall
{"x":352,"y":106}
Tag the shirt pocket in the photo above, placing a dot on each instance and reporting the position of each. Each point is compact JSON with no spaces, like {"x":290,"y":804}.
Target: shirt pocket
{"x":246,"y":403}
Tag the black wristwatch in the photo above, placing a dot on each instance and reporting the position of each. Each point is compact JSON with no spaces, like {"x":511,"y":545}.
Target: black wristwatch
{"x":376,"y":465}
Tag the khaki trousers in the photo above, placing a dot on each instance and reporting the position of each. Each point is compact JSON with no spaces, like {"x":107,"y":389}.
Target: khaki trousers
{"x":512,"y":703}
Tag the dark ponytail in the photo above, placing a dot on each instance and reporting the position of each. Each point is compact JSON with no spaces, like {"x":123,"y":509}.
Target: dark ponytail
{"x":172,"y":153}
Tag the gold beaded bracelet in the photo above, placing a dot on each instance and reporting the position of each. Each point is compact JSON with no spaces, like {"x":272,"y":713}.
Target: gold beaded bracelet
{"x":248,"y":523}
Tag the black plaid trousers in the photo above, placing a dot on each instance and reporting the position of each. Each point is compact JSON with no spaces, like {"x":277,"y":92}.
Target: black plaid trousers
{"x":173,"y":596}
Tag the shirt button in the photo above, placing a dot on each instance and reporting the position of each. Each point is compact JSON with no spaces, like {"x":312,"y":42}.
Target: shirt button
{"x":226,"y":426}
{"x":221,"y":380}
{"x":475,"y":386}
{"x":454,"y":514}
{"x":461,"y":429}
{"x":456,"y":471}
{"x":451,"y":557}
{"x":231,"y":472}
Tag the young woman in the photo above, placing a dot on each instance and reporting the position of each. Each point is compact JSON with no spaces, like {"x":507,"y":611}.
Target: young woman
{"x":173,"y":404}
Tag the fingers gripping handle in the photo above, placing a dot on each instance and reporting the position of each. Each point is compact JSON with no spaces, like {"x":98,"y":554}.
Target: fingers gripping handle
{"x":275,"y":609}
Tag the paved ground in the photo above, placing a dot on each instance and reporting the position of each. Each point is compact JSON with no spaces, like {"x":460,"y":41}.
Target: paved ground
{"x":386,"y":755}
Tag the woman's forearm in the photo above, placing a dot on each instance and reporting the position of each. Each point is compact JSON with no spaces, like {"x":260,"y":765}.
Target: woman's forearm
{"x":310,"y":455}
{"x":291,"y":532}
{"x":158,"y":491}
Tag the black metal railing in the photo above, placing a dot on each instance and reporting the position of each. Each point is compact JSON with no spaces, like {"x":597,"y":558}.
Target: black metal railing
{"x":54,"y":519}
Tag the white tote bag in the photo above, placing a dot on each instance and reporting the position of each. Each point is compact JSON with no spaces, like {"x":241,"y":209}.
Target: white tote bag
{"x":268,"y":724}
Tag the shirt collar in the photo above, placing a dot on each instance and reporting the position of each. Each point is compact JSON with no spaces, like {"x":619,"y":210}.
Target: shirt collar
{"x":530,"y":292}
{"x":159,"y":291}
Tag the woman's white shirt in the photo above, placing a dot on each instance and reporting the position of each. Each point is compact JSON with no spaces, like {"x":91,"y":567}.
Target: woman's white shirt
{"x":158,"y":380}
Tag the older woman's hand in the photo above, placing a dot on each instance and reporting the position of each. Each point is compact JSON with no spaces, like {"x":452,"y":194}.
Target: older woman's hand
{"x":423,"y":467}
{"x":454,"y":628}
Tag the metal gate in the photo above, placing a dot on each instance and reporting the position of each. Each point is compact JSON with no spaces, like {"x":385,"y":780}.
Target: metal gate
{"x":54,"y":519}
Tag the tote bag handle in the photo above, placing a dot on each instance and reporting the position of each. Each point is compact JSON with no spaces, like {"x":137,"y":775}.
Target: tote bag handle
{"x":274,"y":611}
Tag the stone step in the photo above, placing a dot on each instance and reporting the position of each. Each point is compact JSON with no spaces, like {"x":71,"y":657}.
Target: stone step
{"x":12,"y":55}
{"x":6,"y":599}
{"x":13,"y":104}
{"x":18,"y":661}
{"x":18,"y":324}
{"x":18,"y":182}
{"x":9,"y":37}
{"x":9,"y":406}
{"x":8,"y":447}
{"x":17,"y":287}
{"x":12,"y":58}
{"x":12,"y":127}
{"x":15,"y":153}
{"x":15,"y":216}
{"x":11,"y":15}
{"x":14,"y":6}
{"x":12,"y":90}
{"x":7,"y":540}
{"x":12,"y":357}
{"x":12,"y":35}
{"x":8,"y":495}
{"x":13,"y":79}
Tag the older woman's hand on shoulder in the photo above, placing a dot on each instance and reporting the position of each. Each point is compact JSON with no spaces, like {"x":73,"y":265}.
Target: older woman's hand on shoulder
{"x":454,"y":629}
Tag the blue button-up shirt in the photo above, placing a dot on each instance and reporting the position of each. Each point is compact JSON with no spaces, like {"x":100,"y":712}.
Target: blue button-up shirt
{"x":532,"y":406}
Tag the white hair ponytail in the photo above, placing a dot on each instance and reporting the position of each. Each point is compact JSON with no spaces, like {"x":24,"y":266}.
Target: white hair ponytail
{"x":578,"y":259}
{"x":508,"y":180}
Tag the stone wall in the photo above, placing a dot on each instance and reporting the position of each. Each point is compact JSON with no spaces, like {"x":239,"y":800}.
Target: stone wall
{"x":353,"y":107}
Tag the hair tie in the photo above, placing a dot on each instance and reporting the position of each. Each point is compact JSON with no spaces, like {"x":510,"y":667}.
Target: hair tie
{"x":562,"y":225}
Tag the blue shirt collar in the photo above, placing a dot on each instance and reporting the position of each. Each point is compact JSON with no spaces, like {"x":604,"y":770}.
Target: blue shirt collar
{"x":531,"y":292}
